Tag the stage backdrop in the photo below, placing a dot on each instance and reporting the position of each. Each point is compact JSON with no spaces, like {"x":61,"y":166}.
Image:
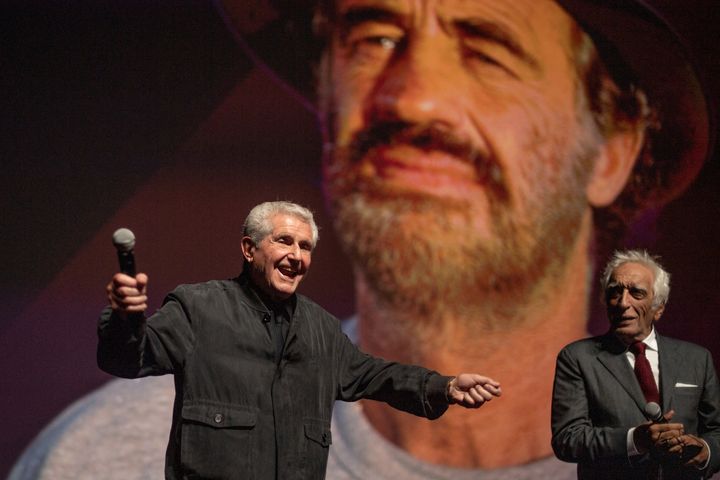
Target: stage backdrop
{"x":146,"y":115}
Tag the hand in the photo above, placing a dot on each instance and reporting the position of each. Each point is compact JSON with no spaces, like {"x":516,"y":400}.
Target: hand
{"x":691,"y":450}
{"x":471,"y":390}
{"x":127,"y":294}
{"x":657,"y":438}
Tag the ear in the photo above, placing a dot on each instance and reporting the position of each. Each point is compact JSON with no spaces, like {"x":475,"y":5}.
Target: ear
{"x":614,"y":163}
{"x":658,"y":313}
{"x":248,"y":248}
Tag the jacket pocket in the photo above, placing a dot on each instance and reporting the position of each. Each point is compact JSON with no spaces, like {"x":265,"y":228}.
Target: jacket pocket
{"x":318,"y":439}
{"x":218,"y":440}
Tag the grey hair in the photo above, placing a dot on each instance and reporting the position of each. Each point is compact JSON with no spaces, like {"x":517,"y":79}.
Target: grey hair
{"x":661,"y":285}
{"x":258,"y":223}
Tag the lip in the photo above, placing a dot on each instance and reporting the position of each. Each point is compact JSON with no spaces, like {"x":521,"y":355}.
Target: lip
{"x":623,"y":321}
{"x":288,"y":273}
{"x":414,"y":169}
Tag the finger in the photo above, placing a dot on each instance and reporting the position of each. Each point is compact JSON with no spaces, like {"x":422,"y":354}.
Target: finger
{"x":486,"y":393}
{"x":121,"y":279}
{"x":136,"y":308}
{"x":482,"y":380}
{"x":480,"y":395}
{"x":493,"y":390}
{"x":662,"y":427}
{"x":473,"y":399}
{"x":135,"y":300}
{"x":142,"y":280}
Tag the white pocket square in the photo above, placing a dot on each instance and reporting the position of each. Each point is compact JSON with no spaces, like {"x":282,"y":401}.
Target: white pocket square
{"x":685,"y":385}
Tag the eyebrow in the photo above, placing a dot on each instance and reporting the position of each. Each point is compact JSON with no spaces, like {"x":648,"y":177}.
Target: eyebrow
{"x":496,"y":33}
{"x":629,"y":286}
{"x":477,"y":28}
{"x":357,"y":15}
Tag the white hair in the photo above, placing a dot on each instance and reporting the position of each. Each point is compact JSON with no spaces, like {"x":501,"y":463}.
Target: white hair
{"x":258,"y":223}
{"x":661,"y":285}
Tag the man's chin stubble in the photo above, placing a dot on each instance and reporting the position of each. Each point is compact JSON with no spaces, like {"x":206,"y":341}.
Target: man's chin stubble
{"x":416,"y":260}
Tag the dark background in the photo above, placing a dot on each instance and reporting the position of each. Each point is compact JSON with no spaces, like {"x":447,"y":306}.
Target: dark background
{"x":145,"y":114}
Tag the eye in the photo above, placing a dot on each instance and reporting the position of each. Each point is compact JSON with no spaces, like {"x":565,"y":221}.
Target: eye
{"x":638,"y":293}
{"x":285,"y":240}
{"x":480,"y":55}
{"x":305,"y":246}
{"x":488,"y":59}
{"x":372,"y":41}
{"x":613,"y":293}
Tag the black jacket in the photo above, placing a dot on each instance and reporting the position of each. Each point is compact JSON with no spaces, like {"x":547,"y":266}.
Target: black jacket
{"x":238,"y":414}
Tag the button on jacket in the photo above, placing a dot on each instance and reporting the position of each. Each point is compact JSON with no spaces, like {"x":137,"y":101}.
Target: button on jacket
{"x":238,"y":414}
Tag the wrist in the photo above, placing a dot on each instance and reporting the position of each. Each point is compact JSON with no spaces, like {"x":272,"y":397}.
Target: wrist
{"x":449,"y":389}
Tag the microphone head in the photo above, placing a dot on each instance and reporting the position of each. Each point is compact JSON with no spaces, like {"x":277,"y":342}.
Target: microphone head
{"x":123,"y":239}
{"x":653,"y":412}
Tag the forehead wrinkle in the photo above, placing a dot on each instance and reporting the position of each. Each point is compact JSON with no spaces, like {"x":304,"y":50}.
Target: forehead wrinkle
{"x":404,"y":13}
{"x":629,"y":285}
{"x":506,"y":24}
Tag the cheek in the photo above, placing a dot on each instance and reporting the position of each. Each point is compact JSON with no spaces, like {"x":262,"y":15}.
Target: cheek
{"x":530,"y":136}
{"x":348,"y":98}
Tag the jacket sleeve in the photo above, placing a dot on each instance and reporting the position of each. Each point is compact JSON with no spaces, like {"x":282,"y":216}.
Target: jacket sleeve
{"x":709,"y":414}
{"x":409,"y":388}
{"x":138,"y":347}
{"x":574,"y":438}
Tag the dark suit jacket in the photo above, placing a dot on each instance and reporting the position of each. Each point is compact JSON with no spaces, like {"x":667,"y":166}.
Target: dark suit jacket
{"x":596,"y":399}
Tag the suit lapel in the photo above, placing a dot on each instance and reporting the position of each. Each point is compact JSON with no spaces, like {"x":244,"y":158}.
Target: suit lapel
{"x":670,"y":360}
{"x":612,"y":356}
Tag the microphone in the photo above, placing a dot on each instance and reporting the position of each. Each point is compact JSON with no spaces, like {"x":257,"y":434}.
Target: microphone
{"x":124,"y":241}
{"x":653,"y":412}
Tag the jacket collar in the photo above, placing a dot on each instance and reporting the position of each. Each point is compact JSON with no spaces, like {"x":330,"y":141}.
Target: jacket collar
{"x":251,"y":298}
{"x":612,"y":356}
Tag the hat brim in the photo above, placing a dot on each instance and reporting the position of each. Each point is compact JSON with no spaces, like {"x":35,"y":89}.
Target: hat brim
{"x":636,"y":34}
{"x":278,"y":36}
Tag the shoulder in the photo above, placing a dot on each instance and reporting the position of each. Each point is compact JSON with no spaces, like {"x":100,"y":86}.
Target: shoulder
{"x":315,"y":312}
{"x":206,"y":288}
{"x":211,"y":289}
{"x":584,"y":346}
{"x":687,"y":348}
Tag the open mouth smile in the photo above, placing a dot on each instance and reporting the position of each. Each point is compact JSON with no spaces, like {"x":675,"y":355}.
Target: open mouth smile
{"x":288,"y":272}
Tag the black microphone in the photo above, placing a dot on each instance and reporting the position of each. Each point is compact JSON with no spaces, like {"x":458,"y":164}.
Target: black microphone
{"x":653,"y":412}
{"x":124,"y":241}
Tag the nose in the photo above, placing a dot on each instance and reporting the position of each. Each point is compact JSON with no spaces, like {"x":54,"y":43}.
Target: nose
{"x":420,"y":84}
{"x":624,"y":299}
{"x":295,"y":252}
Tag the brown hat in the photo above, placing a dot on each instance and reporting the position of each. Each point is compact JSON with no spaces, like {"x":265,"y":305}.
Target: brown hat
{"x":278,"y":35}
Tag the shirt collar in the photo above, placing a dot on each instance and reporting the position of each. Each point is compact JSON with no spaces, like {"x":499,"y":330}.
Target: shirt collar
{"x":651,"y":340}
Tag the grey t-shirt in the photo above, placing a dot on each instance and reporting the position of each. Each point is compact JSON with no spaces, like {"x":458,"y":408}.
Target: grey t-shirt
{"x":120,"y":432}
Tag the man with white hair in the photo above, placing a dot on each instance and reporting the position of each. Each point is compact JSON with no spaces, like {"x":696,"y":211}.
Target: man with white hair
{"x":257,"y":367}
{"x":606,"y":386}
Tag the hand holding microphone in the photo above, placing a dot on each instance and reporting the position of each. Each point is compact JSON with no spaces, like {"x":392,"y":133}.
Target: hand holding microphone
{"x":684,"y":447}
{"x":127,"y":290}
{"x":656,"y":434}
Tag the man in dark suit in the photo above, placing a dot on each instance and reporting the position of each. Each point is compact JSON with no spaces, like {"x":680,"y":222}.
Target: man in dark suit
{"x":603,"y":386}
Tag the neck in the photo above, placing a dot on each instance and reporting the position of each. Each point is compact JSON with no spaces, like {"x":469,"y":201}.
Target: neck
{"x":521,"y":357}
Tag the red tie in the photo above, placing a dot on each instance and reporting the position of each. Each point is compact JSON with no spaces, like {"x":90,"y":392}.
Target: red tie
{"x":644,"y":374}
